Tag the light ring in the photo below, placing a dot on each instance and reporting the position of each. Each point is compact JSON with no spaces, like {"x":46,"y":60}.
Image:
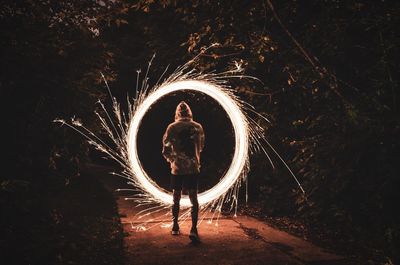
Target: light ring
{"x":239,"y":124}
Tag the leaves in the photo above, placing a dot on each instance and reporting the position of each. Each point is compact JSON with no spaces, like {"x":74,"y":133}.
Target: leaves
{"x":329,"y":85}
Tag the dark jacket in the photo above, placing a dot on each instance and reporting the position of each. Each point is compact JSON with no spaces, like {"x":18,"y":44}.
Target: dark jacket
{"x":183,"y":142}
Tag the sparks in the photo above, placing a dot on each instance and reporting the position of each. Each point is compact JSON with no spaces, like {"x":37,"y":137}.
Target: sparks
{"x":240,"y":126}
{"x":122,"y":129}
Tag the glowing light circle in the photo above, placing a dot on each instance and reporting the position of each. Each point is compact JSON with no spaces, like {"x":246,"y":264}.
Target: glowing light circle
{"x":241,"y":141}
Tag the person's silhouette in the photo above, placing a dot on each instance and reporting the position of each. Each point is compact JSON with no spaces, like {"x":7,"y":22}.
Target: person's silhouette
{"x":183,"y":142}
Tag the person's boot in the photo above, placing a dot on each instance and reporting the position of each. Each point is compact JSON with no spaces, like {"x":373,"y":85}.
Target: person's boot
{"x":194,"y":236}
{"x":175,"y":229}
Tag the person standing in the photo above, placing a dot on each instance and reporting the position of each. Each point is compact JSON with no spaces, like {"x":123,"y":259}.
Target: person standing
{"x":183,"y":141}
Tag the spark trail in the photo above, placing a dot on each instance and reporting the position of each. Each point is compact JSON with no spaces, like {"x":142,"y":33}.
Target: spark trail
{"x":122,"y":128}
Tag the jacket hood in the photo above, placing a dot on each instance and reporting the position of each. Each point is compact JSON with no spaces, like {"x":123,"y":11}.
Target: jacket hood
{"x":183,"y":112}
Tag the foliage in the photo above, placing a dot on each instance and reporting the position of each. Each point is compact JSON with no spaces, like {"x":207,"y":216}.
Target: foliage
{"x":68,"y":225}
{"x":329,"y":85}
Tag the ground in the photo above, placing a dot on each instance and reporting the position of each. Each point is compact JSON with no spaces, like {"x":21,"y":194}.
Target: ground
{"x":235,"y":240}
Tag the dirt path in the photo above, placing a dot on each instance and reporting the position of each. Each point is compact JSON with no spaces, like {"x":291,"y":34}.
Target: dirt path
{"x":239,"y":240}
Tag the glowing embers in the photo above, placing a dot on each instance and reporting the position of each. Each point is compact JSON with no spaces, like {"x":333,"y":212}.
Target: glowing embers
{"x":240,"y":125}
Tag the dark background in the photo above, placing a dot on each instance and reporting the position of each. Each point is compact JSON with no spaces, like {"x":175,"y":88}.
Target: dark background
{"x":219,"y":137}
{"x":330,"y":86}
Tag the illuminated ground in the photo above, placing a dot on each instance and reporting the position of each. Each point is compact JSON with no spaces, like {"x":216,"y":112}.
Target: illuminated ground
{"x":241,"y":240}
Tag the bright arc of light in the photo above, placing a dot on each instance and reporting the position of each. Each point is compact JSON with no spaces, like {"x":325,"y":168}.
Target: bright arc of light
{"x":239,"y":124}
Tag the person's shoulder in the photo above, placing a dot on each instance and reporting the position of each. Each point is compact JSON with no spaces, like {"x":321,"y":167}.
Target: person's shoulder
{"x":197,"y":125}
{"x":172,"y":125}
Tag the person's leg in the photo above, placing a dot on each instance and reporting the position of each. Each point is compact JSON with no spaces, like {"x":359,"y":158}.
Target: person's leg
{"x":195,"y":208}
{"x":175,"y":207}
{"x":175,"y":210}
